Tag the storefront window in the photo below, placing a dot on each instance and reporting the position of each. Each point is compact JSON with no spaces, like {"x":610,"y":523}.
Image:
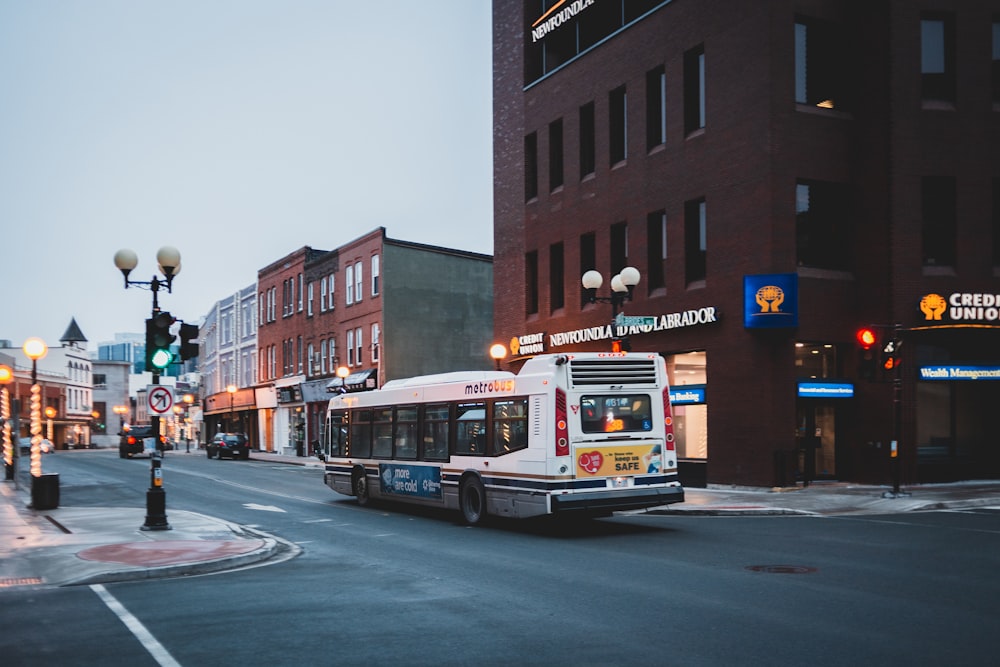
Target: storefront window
{"x":816,"y":360}
{"x":690,"y":411}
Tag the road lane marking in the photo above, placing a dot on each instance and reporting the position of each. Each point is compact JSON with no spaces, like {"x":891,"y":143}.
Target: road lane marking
{"x":263,"y":508}
{"x":145,"y":637}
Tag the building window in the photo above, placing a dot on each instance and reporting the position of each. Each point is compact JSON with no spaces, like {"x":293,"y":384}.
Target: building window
{"x":312,"y":361}
{"x":375,"y":343}
{"x":350,"y":347}
{"x":358,"y":338}
{"x":937,"y":57}
{"x":298,"y":355}
{"x":331,"y":283}
{"x":656,"y":249}
{"x":694,"y":89}
{"x":823,"y":215}
{"x":588,"y":152}
{"x":695,"y":233}
{"x":530,"y":166}
{"x":322,"y":357}
{"x":309,"y":300}
{"x":359,"y":282}
{"x":588,"y":261}
{"x":995,"y":71}
{"x":619,"y":247}
{"x":349,"y":280}
{"x":617,"y":129}
{"x":656,"y":107}
{"x":333,"y":354}
{"x":557,"y":298}
{"x":821,"y":74}
{"x":939,"y":220}
{"x":301,"y":292}
{"x":531,"y":283}
{"x":261,"y":301}
{"x":555,"y":154}
{"x":375,"y":274}
{"x":322,"y":295}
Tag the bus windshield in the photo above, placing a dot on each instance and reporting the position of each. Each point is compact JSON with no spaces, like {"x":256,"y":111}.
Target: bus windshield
{"x":612,"y":413}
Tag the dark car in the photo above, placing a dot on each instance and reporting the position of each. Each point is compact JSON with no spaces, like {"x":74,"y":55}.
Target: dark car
{"x":233,"y":445}
{"x":137,"y":440}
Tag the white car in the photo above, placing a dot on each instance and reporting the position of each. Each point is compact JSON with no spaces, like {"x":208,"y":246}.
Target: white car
{"x":46,"y":446}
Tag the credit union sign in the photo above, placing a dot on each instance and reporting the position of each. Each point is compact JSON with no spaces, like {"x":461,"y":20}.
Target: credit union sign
{"x":960,"y":309}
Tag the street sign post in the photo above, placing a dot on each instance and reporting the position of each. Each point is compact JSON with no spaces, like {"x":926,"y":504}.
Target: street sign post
{"x":634,"y":321}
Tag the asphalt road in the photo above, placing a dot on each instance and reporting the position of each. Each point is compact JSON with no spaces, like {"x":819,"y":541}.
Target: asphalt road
{"x":397,"y":586}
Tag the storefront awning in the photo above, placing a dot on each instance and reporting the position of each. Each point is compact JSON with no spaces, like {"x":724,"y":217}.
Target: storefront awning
{"x":359,"y":381}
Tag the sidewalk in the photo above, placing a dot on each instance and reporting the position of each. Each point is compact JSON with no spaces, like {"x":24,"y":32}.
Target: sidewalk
{"x":836,"y":498}
{"x":73,"y":546}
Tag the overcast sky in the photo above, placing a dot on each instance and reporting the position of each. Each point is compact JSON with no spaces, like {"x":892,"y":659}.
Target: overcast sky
{"x":236,"y":131}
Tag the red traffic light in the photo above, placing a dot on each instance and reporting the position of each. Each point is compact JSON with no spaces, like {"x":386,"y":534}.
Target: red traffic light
{"x":866,"y":337}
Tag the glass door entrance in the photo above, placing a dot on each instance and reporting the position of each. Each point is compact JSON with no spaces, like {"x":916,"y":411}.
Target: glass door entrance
{"x":816,"y":441}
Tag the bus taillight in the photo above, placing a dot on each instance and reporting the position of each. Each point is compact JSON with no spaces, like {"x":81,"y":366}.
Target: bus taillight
{"x":562,"y":429}
{"x":668,"y":420}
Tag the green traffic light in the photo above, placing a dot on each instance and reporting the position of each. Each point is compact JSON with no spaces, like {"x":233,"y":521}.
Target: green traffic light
{"x":161,"y":358}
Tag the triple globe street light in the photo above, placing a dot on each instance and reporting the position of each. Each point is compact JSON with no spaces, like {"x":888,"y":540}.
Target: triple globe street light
{"x":622,"y":290}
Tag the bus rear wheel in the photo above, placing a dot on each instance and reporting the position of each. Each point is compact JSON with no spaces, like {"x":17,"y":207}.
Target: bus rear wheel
{"x":360,"y":484}
{"x":472,"y":500}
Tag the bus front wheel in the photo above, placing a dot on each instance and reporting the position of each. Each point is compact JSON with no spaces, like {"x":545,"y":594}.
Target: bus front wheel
{"x":472,"y":500}
{"x":361,"y":487}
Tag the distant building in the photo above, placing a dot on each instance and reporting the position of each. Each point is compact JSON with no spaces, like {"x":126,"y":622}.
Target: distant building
{"x":380,"y":308}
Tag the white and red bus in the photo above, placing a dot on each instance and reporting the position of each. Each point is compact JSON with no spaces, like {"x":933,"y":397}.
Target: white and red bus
{"x":590,"y":433}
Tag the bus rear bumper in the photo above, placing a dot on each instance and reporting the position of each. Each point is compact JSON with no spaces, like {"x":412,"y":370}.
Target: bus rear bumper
{"x":617,"y":500}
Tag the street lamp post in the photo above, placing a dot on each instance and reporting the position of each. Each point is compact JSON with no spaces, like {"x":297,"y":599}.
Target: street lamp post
{"x":342,"y":373}
{"x":498,"y":351}
{"x":6,"y":377}
{"x":622,"y":289}
{"x":232,"y":419}
{"x":44,"y":489}
{"x":188,"y":400}
{"x":168,"y":259}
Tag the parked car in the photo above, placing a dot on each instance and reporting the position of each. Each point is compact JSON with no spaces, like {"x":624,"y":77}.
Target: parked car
{"x":233,"y":445}
{"x":25,"y":443}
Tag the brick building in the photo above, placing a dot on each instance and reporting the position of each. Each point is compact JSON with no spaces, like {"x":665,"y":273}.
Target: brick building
{"x":376,"y":307}
{"x":781,"y":173}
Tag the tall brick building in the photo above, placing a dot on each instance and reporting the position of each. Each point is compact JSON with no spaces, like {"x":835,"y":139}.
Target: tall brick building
{"x":781,"y":173}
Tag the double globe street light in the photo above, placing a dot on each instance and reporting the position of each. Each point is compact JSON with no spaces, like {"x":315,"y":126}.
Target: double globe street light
{"x":622,"y":290}
{"x":168,"y":259}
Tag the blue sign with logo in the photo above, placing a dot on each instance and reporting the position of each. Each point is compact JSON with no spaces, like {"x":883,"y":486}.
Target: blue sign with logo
{"x":410,"y":480}
{"x":813,"y":389}
{"x":959,"y":372}
{"x":689,"y":394}
{"x":771,"y":301}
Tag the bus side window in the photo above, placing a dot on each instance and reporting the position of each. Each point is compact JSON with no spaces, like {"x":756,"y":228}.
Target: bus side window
{"x":470,"y":429}
{"x":510,"y":426}
{"x":435,"y":433}
{"x":382,"y":431}
{"x":361,"y":434}
{"x":405,"y":433}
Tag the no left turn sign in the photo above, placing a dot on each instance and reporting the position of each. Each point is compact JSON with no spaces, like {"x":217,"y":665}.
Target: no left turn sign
{"x":159,"y":399}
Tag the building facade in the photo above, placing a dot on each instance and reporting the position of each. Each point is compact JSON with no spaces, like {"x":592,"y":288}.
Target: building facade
{"x":376,"y":309}
{"x":781,"y":174}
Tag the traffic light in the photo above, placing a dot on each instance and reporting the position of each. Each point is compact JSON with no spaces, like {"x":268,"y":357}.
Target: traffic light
{"x":891,"y":354}
{"x":189,"y":344}
{"x":867,"y":363}
{"x":158,"y":340}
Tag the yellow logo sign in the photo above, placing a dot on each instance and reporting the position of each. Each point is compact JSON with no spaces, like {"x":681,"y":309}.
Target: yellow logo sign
{"x":933,"y":306}
{"x":770,"y":298}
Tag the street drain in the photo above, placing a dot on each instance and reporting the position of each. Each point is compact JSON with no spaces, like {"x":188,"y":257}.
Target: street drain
{"x":782,"y":569}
